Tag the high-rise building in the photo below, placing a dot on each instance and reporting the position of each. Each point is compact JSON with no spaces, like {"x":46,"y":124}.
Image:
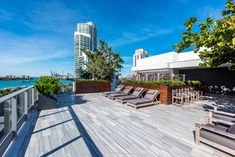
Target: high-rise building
{"x":84,"y":38}
{"x":139,"y":54}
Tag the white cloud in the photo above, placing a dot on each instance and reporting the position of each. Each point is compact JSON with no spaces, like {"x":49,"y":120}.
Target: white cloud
{"x":144,"y":34}
{"x":127,"y":58}
{"x":53,"y":16}
{"x":127,"y":65}
{"x":209,"y":11}
{"x":25,"y":55}
{"x":5,"y":15}
{"x":17,"y":50}
{"x":48,"y":47}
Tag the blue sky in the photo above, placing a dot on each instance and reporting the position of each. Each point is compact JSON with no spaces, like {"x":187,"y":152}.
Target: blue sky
{"x":37,"y":36}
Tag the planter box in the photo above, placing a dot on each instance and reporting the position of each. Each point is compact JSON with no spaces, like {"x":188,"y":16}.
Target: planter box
{"x":92,"y":87}
{"x":47,"y":102}
{"x":165,"y":91}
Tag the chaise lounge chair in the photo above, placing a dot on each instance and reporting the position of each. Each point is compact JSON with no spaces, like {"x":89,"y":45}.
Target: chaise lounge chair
{"x":136,"y":94}
{"x":218,"y":137}
{"x":150,"y":98}
{"x":217,"y":117}
{"x":218,"y":132}
{"x":119,"y":89}
{"x":126,"y":91}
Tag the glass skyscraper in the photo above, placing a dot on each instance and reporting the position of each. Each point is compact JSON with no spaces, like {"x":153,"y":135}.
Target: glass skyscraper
{"x":84,"y":38}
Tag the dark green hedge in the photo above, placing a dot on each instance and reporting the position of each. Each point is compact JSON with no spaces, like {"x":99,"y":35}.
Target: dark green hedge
{"x":164,"y":82}
{"x":103,"y":81}
{"x":161,"y":82}
{"x":8,"y":91}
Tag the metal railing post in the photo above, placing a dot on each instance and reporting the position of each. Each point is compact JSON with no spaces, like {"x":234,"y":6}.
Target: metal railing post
{"x":13,"y":114}
{"x":36,"y":95}
{"x":74,"y":86}
{"x":33,"y":99}
{"x":26,"y":102}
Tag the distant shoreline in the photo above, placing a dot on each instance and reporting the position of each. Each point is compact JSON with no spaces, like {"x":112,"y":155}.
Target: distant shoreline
{"x":7,"y":79}
{"x":11,"y":84}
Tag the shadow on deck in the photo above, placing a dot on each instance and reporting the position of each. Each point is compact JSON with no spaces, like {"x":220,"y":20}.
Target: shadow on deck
{"x":64,"y":107}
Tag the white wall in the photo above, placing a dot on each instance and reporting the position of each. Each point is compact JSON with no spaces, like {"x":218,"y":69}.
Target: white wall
{"x":168,"y":60}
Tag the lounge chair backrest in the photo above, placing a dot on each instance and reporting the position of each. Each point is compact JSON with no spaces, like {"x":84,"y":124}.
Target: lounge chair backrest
{"x":138,"y":91}
{"x":231,"y":129}
{"x":119,"y":88}
{"x":223,"y":117}
{"x":127,"y":89}
{"x":152,"y":94}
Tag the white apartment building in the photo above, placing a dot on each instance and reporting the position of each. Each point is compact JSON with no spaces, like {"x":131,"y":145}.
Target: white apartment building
{"x":139,"y":54}
{"x":84,"y":38}
{"x":182,"y":64}
{"x":166,"y":62}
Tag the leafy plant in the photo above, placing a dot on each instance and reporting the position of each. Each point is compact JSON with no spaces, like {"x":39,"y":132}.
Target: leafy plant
{"x":215,"y":41}
{"x":8,"y":91}
{"x":103,"y":63}
{"x":83,"y":74}
{"x":47,"y":85}
{"x":160,"y":82}
{"x":103,"y":81}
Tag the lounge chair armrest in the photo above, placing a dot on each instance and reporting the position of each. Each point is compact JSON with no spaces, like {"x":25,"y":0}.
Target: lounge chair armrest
{"x":212,"y":106}
{"x":222,"y":121}
{"x":225,"y":113}
{"x":197,"y":125}
{"x":222,"y":133}
{"x":197,"y":132}
{"x":209,"y":118}
{"x":215,"y":108}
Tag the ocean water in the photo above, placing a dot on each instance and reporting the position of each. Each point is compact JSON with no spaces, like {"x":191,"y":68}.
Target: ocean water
{"x":19,"y":83}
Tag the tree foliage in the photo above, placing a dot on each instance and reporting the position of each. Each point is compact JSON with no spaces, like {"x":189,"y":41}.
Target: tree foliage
{"x":83,"y":74}
{"x":47,"y":85}
{"x":103,"y":63}
{"x":215,"y":40}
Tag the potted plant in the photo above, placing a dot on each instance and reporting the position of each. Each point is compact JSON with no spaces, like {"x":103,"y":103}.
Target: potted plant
{"x":47,"y":87}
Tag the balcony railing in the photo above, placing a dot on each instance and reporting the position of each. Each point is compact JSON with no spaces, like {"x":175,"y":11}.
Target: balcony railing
{"x":14,"y":108}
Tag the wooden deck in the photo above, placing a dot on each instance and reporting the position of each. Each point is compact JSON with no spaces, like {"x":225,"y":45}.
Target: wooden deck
{"x":97,"y":126}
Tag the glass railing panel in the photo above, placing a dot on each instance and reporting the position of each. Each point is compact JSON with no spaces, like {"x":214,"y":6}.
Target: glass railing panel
{"x":20,"y":105}
{"x":5,"y":118}
{"x":35,"y":95}
{"x":29,"y":92}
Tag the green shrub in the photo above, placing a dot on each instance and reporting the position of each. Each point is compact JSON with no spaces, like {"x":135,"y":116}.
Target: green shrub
{"x":8,"y":91}
{"x":103,"y":81}
{"x":47,"y":85}
{"x":160,"y":82}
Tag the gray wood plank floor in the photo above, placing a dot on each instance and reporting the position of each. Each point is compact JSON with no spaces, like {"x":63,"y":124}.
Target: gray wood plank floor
{"x":97,"y":126}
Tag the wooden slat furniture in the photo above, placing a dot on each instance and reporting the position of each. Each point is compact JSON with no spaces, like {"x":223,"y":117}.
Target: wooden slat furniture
{"x":150,"y":98}
{"x":219,"y":134}
{"x":216,"y":116}
{"x":177,"y":99}
{"x":184,"y":96}
{"x":215,"y":132}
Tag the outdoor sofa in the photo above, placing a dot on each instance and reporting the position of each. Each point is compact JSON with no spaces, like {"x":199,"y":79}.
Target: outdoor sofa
{"x":150,"y":98}
{"x":136,"y":94}
{"x":119,"y":89}
{"x":126,"y":91}
{"x":216,"y":116}
{"x":218,"y":132}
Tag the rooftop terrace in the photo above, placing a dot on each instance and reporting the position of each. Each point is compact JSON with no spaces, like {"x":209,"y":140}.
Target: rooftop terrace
{"x":92,"y":125}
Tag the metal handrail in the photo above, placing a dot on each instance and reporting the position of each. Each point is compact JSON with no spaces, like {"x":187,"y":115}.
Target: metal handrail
{"x":17,"y":122}
{"x":6,"y":97}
